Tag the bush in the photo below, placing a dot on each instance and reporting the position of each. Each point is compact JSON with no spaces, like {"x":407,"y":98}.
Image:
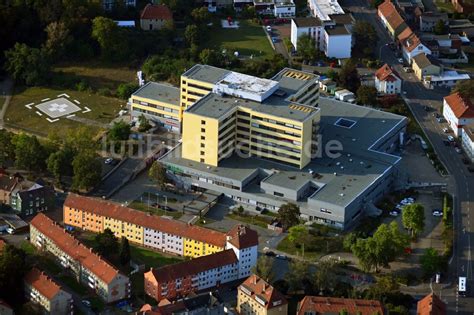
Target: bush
{"x":104,"y":92}
{"x":124,"y":90}
{"x":82,"y":86}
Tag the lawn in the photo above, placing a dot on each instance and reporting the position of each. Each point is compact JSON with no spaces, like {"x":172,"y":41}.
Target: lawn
{"x":151,"y":258}
{"x":250,"y":219}
{"x":321,"y":245}
{"x":104,"y":109}
{"x":72,"y":283}
{"x":142,"y":206}
{"x":248,"y":39}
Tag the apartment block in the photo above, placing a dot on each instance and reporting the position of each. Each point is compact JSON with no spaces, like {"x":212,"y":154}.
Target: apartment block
{"x":167,"y":235}
{"x":256,"y":297}
{"x":206,"y":272}
{"x":209,"y":303}
{"x":44,"y":291}
{"x":88,"y":267}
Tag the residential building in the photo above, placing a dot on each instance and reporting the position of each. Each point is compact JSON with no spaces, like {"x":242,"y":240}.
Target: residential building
{"x":284,"y":9}
{"x":155,"y":17}
{"x":5,"y":309}
{"x":447,"y":79}
{"x":411,"y":45}
{"x":44,"y":291}
{"x":333,"y":37}
{"x":203,"y":273}
{"x":391,"y":19}
{"x":268,"y":167}
{"x":25,"y":197}
{"x":428,"y":20}
{"x":425,"y":65}
{"x":88,"y":267}
{"x":167,"y":235}
{"x":256,"y":297}
{"x":222,"y":122}
{"x":330,"y":305}
{"x":14,"y":222}
{"x":431,"y":305}
{"x":467,"y":140}
{"x":322,"y":9}
{"x":109,"y":5}
{"x":387,"y":80}
{"x":264,"y":7}
{"x":462,"y":27}
{"x":458,"y":112}
{"x":447,"y":48}
{"x":159,"y":103}
{"x":209,"y":303}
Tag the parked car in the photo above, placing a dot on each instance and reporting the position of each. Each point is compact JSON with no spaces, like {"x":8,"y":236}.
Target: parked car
{"x":458,"y":150}
{"x":108,"y":160}
{"x":400,"y":60}
{"x":270,"y":254}
{"x":394,"y":213}
{"x":445,"y":130}
{"x":407,"y":69}
{"x":10,"y":230}
{"x":282,"y":257}
{"x":437,"y":213}
{"x":268,"y":28}
{"x":86,"y":303}
{"x":450,"y":138}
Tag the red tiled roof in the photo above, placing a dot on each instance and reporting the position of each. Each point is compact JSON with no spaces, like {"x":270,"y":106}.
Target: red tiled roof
{"x":119,"y":212}
{"x":242,"y":237}
{"x":156,"y":12}
{"x":42,"y":283}
{"x":74,"y":248}
{"x":259,"y":289}
{"x":431,"y":305}
{"x":461,"y":107}
{"x":409,"y":39}
{"x":329,"y":305}
{"x":386,"y":73}
{"x":2,"y":244}
{"x":194,"y":266}
{"x":388,"y":10}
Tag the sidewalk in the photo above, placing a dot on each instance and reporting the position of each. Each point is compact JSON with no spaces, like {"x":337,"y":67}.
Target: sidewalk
{"x":6,"y":88}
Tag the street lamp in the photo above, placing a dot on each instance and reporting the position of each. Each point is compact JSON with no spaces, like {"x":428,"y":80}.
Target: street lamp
{"x":380,"y":51}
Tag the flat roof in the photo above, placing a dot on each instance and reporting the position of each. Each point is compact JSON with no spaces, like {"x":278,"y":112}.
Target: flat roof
{"x":449,"y":75}
{"x":326,"y":8}
{"x":356,"y":168}
{"x":205,"y":73}
{"x":337,"y":30}
{"x":159,"y":92}
{"x":307,"y":21}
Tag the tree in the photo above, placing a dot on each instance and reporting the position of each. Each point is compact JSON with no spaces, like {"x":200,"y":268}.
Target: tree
{"x":107,"y":33}
{"x":158,"y":174}
{"x":106,"y":243}
{"x":124,"y":251}
{"x":349,"y":77}
{"x":430,"y":261}
{"x":349,"y":240}
{"x":465,"y":88}
{"x":264,"y":268}
{"x":143,"y":123}
{"x":80,"y":139}
{"x":13,"y":267}
{"x":298,"y":235}
{"x":365,"y":38}
{"x":26,"y":65}
{"x":7,"y":148}
{"x":289,"y":215}
{"x":192,"y":34}
{"x":413,"y":218}
{"x":201,"y":15}
{"x":298,"y":275}
{"x":210,"y":57}
{"x":306,"y":47}
{"x":119,"y":131}
{"x":29,"y":153}
{"x":57,"y":40}
{"x":325,"y":277}
{"x":59,"y":163}
{"x":440,"y":28}
{"x":367,"y":95}
{"x":87,"y":170}
{"x":124,"y":90}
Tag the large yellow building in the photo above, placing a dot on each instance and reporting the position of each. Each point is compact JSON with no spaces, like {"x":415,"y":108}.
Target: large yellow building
{"x":250,"y":116}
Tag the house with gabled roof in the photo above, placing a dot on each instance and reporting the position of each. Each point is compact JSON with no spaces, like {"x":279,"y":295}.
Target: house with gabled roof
{"x":411,"y":45}
{"x":458,"y":112}
{"x":391,"y":18}
{"x":387,"y":80}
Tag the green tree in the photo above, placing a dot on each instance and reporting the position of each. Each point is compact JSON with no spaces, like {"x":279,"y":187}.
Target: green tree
{"x":431,"y":261}
{"x":325,"y":277}
{"x":108,"y":34}
{"x":7,"y":148}
{"x":13,"y":266}
{"x":58,"y":38}
{"x":413,"y":218}
{"x":367,"y":95}
{"x":349,"y":240}
{"x":209,"y":57}
{"x":106,"y":243}
{"x":465,"y":88}
{"x":119,"y":131}
{"x":299,"y":235}
{"x":349,"y":77}
{"x":59,"y":163}
{"x":80,"y":139}
{"x":192,"y":34}
{"x":125,"y":255}
{"x":124,"y":90}
{"x":365,"y":38}
{"x":264,"y":268}
{"x":306,"y":47}
{"x":29,"y":153}
{"x":26,"y":65}
{"x":201,"y":15}
{"x":158,"y":174}
{"x":298,"y":274}
{"x":143,"y":123}
{"x":289,"y":215}
{"x":87,"y":170}
{"x":440,"y":28}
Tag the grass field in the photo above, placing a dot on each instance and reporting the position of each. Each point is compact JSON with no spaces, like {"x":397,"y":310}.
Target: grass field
{"x":151,"y":258}
{"x":251,"y":219}
{"x":248,"y":39}
{"x":141,"y":206}
{"x":104,"y":109}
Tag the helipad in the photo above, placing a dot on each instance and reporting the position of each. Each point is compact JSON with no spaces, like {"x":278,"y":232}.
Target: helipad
{"x":58,"y":107}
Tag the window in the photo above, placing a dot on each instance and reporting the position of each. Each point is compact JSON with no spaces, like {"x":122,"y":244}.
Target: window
{"x":202,"y":160}
{"x":325,"y":210}
{"x":203,"y":122}
{"x":203,"y":129}
{"x":202,"y":145}
{"x":203,"y":137}
{"x":278,"y":194}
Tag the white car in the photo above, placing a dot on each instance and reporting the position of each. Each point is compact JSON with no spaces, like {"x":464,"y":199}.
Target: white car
{"x":445,"y":130}
{"x":458,"y":150}
{"x":269,"y":28}
{"x":400,"y":60}
{"x":450,"y":138}
{"x":399,"y":206}
{"x":108,"y":160}
{"x":394,"y":213}
{"x":437,"y":213}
